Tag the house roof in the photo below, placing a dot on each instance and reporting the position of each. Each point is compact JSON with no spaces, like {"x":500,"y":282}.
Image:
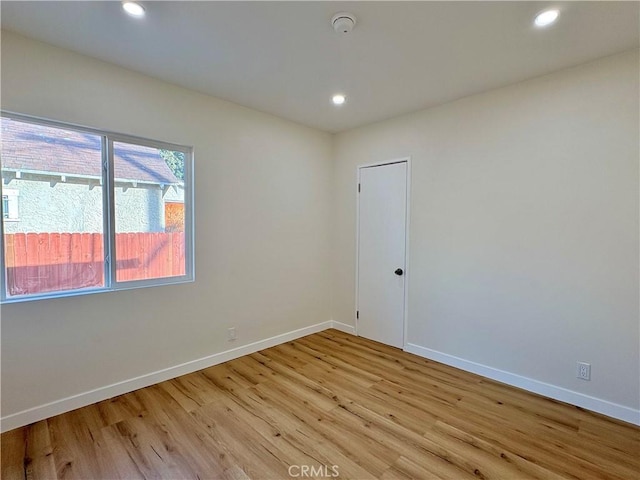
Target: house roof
{"x":34,"y":148}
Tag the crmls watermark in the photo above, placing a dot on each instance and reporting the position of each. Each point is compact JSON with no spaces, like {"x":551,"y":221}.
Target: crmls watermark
{"x":301,"y":471}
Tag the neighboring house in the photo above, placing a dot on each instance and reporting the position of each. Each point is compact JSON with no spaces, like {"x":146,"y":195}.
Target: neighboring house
{"x":52,"y":182}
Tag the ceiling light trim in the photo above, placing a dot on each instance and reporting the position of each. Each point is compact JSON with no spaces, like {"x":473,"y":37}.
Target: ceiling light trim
{"x":546,"y":17}
{"x":133,"y":9}
{"x":339,"y":99}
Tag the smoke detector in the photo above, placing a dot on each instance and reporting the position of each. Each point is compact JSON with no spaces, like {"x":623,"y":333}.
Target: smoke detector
{"x":343,"y":22}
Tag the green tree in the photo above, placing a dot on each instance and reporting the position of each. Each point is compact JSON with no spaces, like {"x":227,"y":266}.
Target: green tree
{"x":175,"y":161}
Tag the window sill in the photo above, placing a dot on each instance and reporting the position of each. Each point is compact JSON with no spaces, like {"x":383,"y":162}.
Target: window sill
{"x":91,"y":291}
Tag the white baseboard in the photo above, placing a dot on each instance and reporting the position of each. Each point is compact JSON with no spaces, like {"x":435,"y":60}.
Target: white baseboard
{"x":557,"y":393}
{"x":57,"y":407}
{"x":343,"y":327}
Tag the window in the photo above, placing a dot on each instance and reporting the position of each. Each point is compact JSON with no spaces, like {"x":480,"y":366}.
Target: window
{"x":10,"y":205}
{"x":145,"y":247}
{"x":98,"y":211}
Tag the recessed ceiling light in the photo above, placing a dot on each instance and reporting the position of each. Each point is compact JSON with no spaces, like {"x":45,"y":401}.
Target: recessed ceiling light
{"x":338,"y":99}
{"x":546,"y":18}
{"x":132,"y":8}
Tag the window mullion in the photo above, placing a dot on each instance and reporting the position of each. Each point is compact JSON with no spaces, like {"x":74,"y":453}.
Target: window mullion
{"x":109,"y":213}
{"x":3,"y":282}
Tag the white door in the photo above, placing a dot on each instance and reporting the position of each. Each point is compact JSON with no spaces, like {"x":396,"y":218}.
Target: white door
{"x":381,"y":252}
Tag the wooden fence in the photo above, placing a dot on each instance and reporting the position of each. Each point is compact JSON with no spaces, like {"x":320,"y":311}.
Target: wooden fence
{"x":45,"y":262}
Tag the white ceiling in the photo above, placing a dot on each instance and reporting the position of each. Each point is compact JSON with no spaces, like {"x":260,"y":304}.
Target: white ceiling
{"x":285,"y":59}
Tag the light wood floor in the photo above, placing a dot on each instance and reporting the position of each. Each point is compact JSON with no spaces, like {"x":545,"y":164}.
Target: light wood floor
{"x":326,"y":399}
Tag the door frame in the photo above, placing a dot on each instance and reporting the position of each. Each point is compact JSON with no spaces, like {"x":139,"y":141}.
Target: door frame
{"x":359,"y":168}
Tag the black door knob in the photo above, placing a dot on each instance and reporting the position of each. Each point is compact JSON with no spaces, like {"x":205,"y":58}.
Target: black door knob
{"x":399,"y":272}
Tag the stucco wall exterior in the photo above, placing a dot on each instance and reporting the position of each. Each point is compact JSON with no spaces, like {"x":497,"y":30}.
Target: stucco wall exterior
{"x":45,"y":205}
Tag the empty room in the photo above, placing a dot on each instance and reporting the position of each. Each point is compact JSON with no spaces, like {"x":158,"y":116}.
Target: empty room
{"x":317,"y":239}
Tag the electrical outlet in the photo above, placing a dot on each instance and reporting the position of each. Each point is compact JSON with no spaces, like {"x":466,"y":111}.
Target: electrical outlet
{"x":583,"y":371}
{"x":231,"y":334}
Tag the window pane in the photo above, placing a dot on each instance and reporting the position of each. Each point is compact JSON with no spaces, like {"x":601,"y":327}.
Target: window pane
{"x":149,"y":212}
{"x":52,"y":208}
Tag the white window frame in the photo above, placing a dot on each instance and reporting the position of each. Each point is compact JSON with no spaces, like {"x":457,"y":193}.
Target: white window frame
{"x":108,"y":213}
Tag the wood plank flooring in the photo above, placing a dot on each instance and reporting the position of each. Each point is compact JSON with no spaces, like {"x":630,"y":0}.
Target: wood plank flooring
{"x":325,"y":404}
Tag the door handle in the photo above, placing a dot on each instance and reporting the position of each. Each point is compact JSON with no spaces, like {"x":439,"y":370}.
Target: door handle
{"x":399,"y":272}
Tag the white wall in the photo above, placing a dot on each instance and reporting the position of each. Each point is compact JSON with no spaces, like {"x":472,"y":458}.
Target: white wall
{"x":524,"y":227}
{"x":262,"y":220}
